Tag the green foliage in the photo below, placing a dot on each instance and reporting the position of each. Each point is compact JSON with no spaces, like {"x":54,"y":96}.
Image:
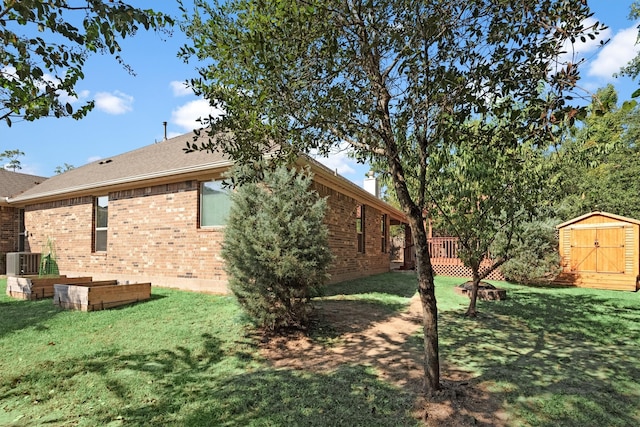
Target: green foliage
{"x":64,"y":168}
{"x":276,"y":248}
{"x":598,"y":167}
{"x":632,"y":68}
{"x":44,"y":45}
{"x":482,"y":187}
{"x":49,"y":259}
{"x":535,"y":258}
{"x":558,"y":357}
{"x":12,"y":156}
{"x":394,"y":80}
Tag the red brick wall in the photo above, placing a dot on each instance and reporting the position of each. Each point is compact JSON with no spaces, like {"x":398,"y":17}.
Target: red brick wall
{"x":9,"y":224}
{"x":341,"y":220}
{"x":153,"y":235}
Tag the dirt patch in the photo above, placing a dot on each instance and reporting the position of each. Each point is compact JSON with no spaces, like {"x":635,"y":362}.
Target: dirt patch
{"x":360,"y":333}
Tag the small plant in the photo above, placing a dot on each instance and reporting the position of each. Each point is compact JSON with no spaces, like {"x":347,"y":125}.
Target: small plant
{"x":48,"y":260}
{"x":276,"y":248}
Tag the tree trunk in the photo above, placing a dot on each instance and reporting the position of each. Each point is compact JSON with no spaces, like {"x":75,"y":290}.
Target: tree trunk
{"x":426,"y":289}
{"x":471,"y":311}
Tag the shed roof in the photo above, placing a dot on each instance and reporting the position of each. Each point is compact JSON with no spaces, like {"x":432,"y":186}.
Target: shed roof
{"x":13,"y":183}
{"x":590,"y":214}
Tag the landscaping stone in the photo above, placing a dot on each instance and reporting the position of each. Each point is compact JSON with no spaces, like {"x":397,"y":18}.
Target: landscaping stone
{"x":486,"y":291}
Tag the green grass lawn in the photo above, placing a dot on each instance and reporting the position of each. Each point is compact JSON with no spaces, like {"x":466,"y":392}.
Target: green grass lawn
{"x":550,"y":356}
{"x":554,"y":356}
{"x":181,"y":358}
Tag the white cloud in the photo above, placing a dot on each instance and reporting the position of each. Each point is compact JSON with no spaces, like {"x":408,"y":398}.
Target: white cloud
{"x":93,"y":159}
{"x":575,"y":52}
{"x":186,"y":115}
{"x":114,"y":103}
{"x":616,"y":54}
{"x":180,"y":88}
{"x":65,"y":97}
{"x":338,"y":160}
{"x":26,"y":168}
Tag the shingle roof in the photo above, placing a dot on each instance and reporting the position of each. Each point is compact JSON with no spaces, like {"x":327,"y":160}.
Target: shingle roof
{"x":155,"y":162}
{"x":600,"y":213}
{"x":164,"y":158}
{"x":13,"y":183}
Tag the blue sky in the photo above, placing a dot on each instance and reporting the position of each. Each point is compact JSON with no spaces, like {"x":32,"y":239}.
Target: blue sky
{"x":130,"y":110}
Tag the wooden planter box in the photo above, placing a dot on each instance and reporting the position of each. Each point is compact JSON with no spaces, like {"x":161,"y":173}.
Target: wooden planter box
{"x":99,"y":295}
{"x":34,"y":287}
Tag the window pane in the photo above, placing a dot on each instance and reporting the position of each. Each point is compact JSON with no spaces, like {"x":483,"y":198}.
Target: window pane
{"x":214,"y":204}
{"x":101,"y":240}
{"x":383,"y":233}
{"x":360,"y":224}
{"x":102,"y":216}
{"x":101,"y":213}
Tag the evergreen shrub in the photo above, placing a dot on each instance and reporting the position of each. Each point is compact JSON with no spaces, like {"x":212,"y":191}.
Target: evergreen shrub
{"x":276,"y":248}
{"x":535,"y":257}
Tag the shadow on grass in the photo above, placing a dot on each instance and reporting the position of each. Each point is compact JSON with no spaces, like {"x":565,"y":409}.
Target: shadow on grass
{"x":556,"y":358}
{"x":212,"y":386}
{"x":16,"y":315}
{"x":355,"y":305}
{"x":397,"y":284}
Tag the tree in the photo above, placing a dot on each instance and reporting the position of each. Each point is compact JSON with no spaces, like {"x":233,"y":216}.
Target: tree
{"x":393,"y":79}
{"x":600,"y":169}
{"x":64,"y":168}
{"x":44,"y":45}
{"x":632,"y":68}
{"x":481,"y":191}
{"x":276,"y":248}
{"x":12,"y":156}
{"x":535,"y":258}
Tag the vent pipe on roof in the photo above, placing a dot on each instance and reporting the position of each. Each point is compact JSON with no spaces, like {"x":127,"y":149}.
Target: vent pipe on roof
{"x":165,"y":130}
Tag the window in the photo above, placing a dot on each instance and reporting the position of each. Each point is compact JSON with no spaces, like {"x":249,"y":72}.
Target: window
{"x":383,"y":233}
{"x":214,"y":204}
{"x":23,"y":231}
{"x":101,"y":217}
{"x":360,"y":227}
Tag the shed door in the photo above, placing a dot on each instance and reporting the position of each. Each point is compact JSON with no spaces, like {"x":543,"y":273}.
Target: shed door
{"x":599,"y":250}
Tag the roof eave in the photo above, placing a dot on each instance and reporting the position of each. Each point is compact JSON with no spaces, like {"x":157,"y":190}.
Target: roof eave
{"x":69,"y":191}
{"x":321,"y":170}
{"x":587,"y":215}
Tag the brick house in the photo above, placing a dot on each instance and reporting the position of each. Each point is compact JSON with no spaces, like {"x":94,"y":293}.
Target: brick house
{"x":157,"y":214}
{"x":12,"y":218}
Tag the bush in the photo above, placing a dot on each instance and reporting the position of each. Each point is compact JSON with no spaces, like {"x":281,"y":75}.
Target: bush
{"x":276,"y":248}
{"x":535,"y":257}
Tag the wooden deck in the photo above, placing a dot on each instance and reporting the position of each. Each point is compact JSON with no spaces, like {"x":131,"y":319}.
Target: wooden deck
{"x":445,"y":261}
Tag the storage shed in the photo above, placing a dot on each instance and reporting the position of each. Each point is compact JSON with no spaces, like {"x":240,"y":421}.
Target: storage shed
{"x":600,"y":250}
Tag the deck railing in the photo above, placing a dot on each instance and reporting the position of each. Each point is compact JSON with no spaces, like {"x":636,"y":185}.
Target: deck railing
{"x":443,"y":247}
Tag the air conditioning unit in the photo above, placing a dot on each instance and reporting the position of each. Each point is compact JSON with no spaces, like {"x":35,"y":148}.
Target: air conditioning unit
{"x":22,"y":263}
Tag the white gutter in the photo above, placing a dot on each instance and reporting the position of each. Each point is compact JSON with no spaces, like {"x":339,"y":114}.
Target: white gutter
{"x":354,"y":188}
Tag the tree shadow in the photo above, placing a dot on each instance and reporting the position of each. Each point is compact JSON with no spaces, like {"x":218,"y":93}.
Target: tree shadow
{"x":566,"y":358}
{"x":213,"y":386}
{"x":337,"y":317}
{"x":393,"y":283}
{"x":16,"y":315}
